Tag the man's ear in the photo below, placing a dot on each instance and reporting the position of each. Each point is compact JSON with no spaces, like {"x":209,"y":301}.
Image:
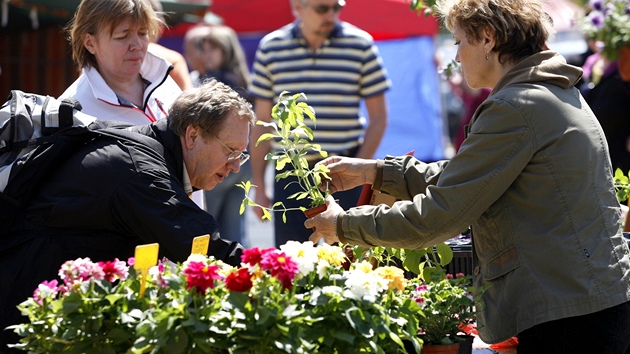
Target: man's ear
{"x":191,"y":135}
{"x":89,"y":43}
{"x":296,"y":8}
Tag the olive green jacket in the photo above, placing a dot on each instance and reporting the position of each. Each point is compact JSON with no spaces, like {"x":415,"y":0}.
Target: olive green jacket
{"x":534,"y":180}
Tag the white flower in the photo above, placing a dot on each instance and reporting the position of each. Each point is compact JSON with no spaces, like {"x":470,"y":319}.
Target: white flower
{"x":194,"y":257}
{"x":155,"y":272}
{"x":331,"y":290}
{"x":364,"y":266}
{"x":365,"y":286}
{"x":322,"y":269}
{"x":304,"y":254}
{"x":45,"y":291}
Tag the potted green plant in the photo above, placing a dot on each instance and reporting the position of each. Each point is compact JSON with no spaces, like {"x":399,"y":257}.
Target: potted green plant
{"x":622,"y":187}
{"x":448,"y":304}
{"x":294,"y":138}
{"x":608,"y":23}
{"x":295,"y":299}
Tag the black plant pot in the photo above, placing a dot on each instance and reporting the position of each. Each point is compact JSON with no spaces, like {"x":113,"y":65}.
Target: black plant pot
{"x":465,"y":344}
{"x":409,"y":347}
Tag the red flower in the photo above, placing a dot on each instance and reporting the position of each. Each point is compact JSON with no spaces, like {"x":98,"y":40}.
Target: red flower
{"x":280,"y":266}
{"x":201,"y":276}
{"x":113,"y":270}
{"x":240,"y":280}
{"x":253,"y":256}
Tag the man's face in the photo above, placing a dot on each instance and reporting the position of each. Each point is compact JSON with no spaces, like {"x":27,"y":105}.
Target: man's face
{"x":206,"y":158}
{"x":319,"y":16}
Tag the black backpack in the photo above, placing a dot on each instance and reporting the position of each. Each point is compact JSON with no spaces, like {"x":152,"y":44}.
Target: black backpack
{"x":36,"y":134}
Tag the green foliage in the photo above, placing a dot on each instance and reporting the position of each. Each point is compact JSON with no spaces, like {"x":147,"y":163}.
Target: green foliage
{"x":294,"y":137}
{"x":423,"y":5}
{"x":450,"y":69}
{"x":622,"y":185}
{"x":422,"y":262}
{"x":448,"y":303}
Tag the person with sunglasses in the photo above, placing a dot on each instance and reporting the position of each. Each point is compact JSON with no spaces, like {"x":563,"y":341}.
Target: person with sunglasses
{"x":337,"y":66}
{"x":115,"y":193}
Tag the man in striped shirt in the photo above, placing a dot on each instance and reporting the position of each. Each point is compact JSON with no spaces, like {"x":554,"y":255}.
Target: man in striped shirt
{"x":336,"y":65}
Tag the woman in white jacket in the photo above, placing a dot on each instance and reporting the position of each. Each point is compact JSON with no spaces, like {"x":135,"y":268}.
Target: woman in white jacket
{"x":120,"y":79}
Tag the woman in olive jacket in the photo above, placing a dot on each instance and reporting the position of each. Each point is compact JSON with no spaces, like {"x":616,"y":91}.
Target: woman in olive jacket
{"x":533,"y":178}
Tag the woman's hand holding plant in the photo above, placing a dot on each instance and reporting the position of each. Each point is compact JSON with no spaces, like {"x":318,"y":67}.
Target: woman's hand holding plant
{"x":348,"y":172}
{"x":325,"y":223}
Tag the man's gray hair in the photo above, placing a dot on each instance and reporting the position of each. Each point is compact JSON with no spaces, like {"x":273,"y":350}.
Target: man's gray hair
{"x":208,"y":107}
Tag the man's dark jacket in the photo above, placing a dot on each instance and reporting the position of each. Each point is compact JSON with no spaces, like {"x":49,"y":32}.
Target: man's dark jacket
{"x":101,"y":202}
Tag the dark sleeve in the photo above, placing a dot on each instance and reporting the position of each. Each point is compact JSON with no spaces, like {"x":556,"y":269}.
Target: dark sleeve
{"x":154,"y":207}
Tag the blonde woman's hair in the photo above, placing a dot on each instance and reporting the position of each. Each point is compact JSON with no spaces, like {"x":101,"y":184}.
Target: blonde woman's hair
{"x":94,"y":16}
{"x":521,"y":27}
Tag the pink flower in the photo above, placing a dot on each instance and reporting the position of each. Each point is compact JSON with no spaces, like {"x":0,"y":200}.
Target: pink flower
{"x":113,"y":270}
{"x":449,"y":276}
{"x":240,"y":280}
{"x":131,"y":261}
{"x":280,"y":266}
{"x":422,"y":288}
{"x":79,"y":270}
{"x":460,"y":275}
{"x":201,"y":276}
{"x":47,"y":289}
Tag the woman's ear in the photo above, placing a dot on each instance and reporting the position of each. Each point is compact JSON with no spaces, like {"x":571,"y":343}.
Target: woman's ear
{"x":488,"y":39}
{"x":89,"y":43}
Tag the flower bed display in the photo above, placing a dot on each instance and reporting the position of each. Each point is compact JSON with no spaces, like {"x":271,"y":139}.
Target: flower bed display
{"x":296,"y":299}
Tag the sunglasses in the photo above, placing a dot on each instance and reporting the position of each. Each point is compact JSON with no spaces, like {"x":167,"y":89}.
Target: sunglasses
{"x":324,"y":9}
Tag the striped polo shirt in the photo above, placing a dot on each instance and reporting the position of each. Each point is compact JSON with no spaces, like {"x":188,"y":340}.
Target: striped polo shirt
{"x":334,"y":78}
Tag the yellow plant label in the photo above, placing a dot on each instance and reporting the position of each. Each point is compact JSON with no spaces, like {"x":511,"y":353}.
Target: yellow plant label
{"x":200,"y":245}
{"x":146,"y":256}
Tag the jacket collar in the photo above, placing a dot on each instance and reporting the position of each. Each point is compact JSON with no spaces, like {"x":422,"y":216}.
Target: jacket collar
{"x":173,"y":154}
{"x":154,"y":70}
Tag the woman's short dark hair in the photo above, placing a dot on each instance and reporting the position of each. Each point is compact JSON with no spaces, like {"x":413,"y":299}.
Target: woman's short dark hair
{"x":521,"y":27}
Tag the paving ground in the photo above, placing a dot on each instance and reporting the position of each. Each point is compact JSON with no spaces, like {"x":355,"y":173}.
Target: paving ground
{"x":259,"y":233}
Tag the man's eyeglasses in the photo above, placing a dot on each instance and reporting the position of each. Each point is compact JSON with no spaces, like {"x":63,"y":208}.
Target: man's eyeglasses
{"x":234,"y":155}
{"x":324,"y":9}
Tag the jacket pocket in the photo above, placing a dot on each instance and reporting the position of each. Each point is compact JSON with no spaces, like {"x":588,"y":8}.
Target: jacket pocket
{"x":502,"y":264}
